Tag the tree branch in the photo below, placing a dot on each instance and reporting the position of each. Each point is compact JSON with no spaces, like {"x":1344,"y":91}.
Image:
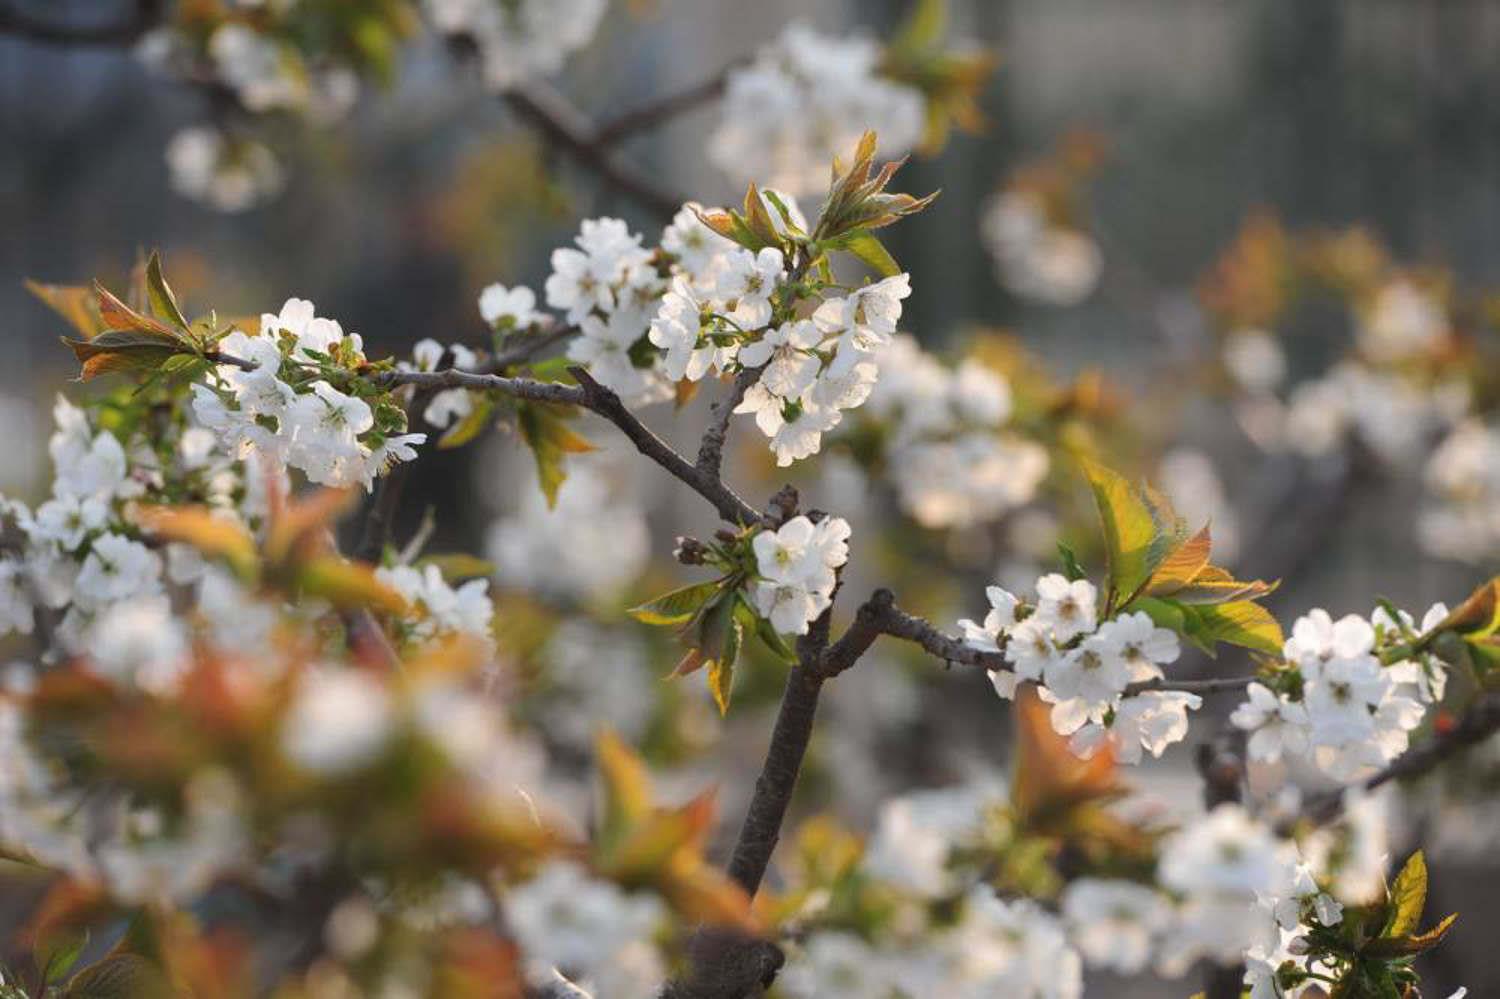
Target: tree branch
{"x":761,"y":829}
{"x":590,"y":395}
{"x":664,"y":108}
{"x":711,"y":450}
{"x":147,"y":15}
{"x":569,"y":129}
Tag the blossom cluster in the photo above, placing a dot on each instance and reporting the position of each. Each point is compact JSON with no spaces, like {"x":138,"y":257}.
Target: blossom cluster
{"x":1460,"y":516}
{"x":1083,"y":667}
{"x":805,"y":100}
{"x":518,"y":41}
{"x":705,"y":307}
{"x":1037,"y":258}
{"x":797,"y":566}
{"x":283,"y":409}
{"x":81,"y":564}
{"x":1336,"y":701}
{"x":952,"y":462}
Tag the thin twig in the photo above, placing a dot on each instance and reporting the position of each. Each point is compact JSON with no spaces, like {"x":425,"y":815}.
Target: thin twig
{"x":569,"y":129}
{"x":662,"y":109}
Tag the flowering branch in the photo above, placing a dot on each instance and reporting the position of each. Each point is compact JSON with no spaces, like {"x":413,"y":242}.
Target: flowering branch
{"x":589,"y":394}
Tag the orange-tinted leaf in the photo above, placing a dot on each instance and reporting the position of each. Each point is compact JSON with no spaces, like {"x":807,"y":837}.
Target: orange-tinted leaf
{"x":213,"y":535}
{"x":1049,"y":778}
{"x":1182,"y":565}
{"x":122,"y":351}
{"x":119,"y":316}
{"x":625,"y":786}
{"x":347,"y":585}
{"x":75,"y":303}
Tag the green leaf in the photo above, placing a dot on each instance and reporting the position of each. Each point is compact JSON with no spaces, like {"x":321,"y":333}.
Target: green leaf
{"x":872,"y":252}
{"x":55,"y":953}
{"x":671,"y":610}
{"x":750,"y":621}
{"x":482,"y":404}
{"x":1408,"y":896}
{"x":1071,"y":568}
{"x":544,"y":428}
{"x":163,"y":302}
{"x":719,"y":638}
{"x":1242,"y":623}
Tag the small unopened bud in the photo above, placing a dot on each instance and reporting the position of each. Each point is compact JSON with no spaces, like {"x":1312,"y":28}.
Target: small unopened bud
{"x":725,"y":535}
{"x":690,"y":551}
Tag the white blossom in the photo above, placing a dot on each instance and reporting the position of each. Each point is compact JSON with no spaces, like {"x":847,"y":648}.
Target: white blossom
{"x":340,"y":720}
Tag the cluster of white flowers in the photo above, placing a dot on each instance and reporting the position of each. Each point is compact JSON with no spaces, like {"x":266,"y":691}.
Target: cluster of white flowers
{"x":266,"y":73}
{"x":609,"y":288}
{"x":952,"y":462}
{"x":129,"y":852}
{"x":590,"y":672}
{"x":440,"y":610}
{"x":557,"y":551}
{"x":1037,"y":258}
{"x":806,"y":99}
{"x":1082,"y":667}
{"x":996,"y":947}
{"x":797,"y":564}
{"x":226,"y":173}
{"x":589,"y":930}
{"x":1460,"y":516}
{"x":1222,"y":866}
{"x":1401,"y":321}
{"x":1353,"y":714}
{"x":519,"y":39}
{"x":327,"y":434}
{"x":704,"y":307}
{"x":799,"y":396}
{"x":1390,"y":413}
{"x":1115,"y":924}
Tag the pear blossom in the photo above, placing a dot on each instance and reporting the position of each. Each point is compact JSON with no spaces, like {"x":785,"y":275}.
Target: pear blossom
{"x":519,"y":40}
{"x":508,"y":308}
{"x":747,"y":281}
{"x":1277,"y":726}
{"x":1114,"y":923}
{"x":117,"y":568}
{"x":786,"y":354}
{"x":1066,"y":606}
{"x":339,"y":721}
{"x":997,"y":623}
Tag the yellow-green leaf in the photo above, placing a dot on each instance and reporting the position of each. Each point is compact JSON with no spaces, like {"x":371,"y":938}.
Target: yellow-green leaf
{"x":676,"y":607}
{"x":1408,"y":896}
{"x":1241,"y":623}
{"x":872,"y":252}
{"x":544,"y":428}
{"x":481,"y":405}
{"x":1129,"y":529}
{"x":625,"y":786}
